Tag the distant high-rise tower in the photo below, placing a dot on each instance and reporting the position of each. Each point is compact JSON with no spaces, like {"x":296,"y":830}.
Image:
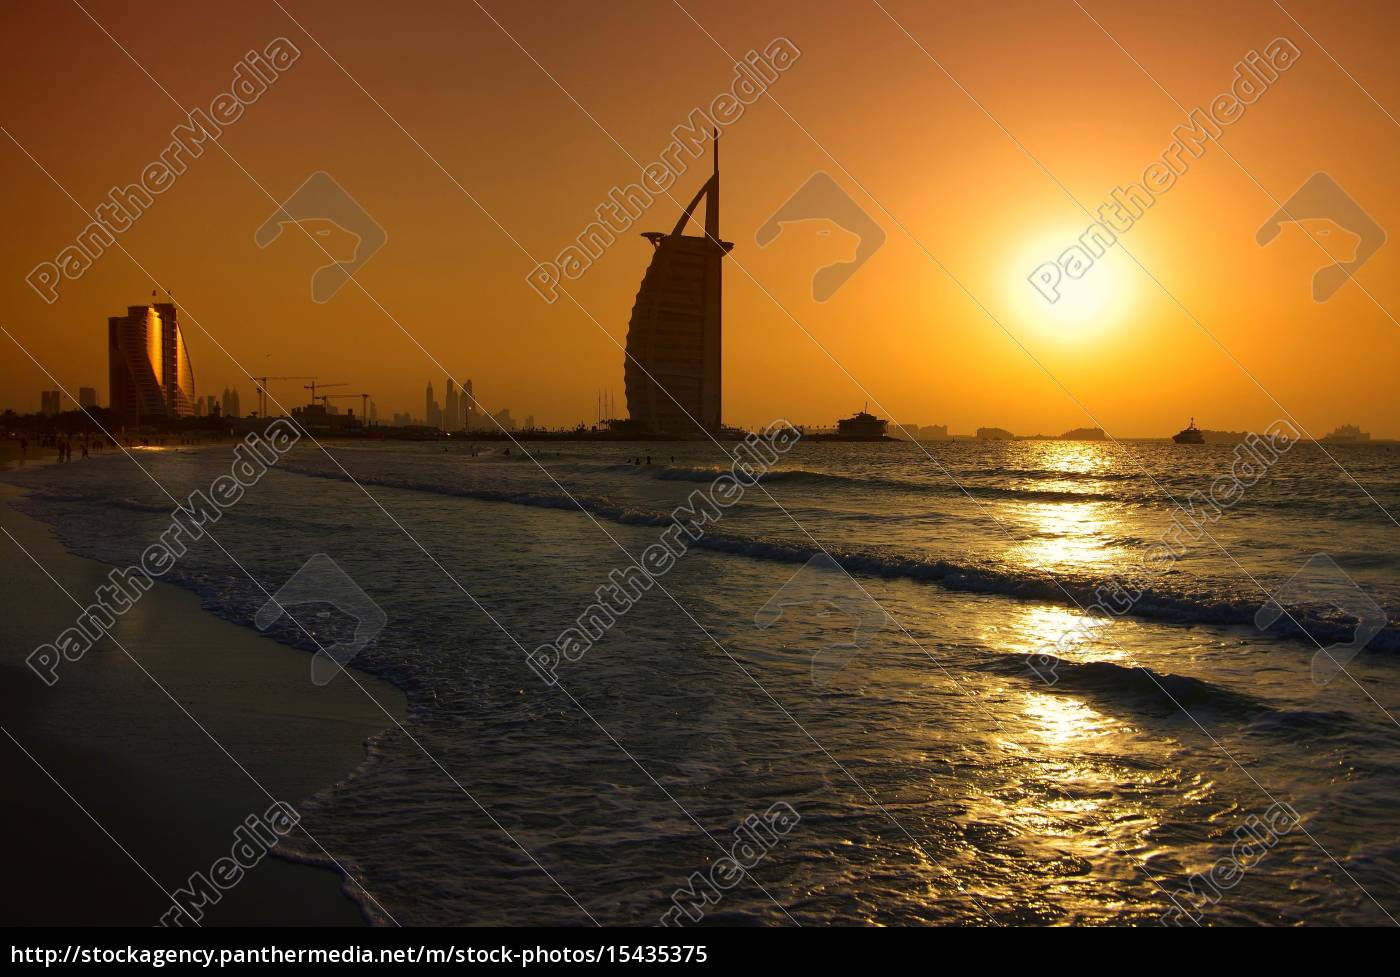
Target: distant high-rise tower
{"x":50,"y":402}
{"x":470,"y":415}
{"x":228,"y":403}
{"x":450,"y":412}
{"x":672,"y":371}
{"x":149,"y":371}
{"x":87,"y":397}
{"x":432,"y":413}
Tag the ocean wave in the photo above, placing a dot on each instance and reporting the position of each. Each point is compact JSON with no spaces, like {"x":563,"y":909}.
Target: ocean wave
{"x":1200,"y":605}
{"x":1077,"y":590}
{"x":1145,"y":689}
{"x":1139,"y":686}
{"x":46,"y":496}
{"x":54,"y":495}
{"x":604,"y":508}
{"x":136,"y":505}
{"x":937,"y":482}
{"x":1061,"y":475}
{"x":1161,"y":490}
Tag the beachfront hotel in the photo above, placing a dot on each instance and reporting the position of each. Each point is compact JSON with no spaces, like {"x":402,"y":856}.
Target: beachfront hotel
{"x":149,"y":366}
{"x":672,"y":372}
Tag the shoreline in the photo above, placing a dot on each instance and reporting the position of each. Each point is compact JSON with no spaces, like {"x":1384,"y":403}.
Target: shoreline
{"x":144,"y":770}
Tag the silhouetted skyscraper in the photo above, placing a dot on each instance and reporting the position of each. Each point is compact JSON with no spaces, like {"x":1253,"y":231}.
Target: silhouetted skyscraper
{"x":87,"y":397}
{"x":451,"y":415}
{"x":148,"y":365}
{"x":672,"y":370}
{"x":50,"y":402}
{"x":432,"y":413}
{"x":229,"y":403}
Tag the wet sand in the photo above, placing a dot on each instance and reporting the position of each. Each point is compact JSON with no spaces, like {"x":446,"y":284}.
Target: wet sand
{"x":161,"y":787}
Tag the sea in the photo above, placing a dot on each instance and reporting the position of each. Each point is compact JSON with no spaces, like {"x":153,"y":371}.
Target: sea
{"x":981,"y":682}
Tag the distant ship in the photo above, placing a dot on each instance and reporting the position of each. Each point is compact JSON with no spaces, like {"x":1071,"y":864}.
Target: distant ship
{"x":861,"y":425}
{"x":1348,"y":432}
{"x":1191,"y":434}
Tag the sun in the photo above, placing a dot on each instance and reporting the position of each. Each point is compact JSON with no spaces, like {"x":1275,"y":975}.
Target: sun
{"x":1070,"y":286}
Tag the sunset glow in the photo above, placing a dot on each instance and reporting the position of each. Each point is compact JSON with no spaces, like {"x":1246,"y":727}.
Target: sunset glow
{"x":935,"y":165}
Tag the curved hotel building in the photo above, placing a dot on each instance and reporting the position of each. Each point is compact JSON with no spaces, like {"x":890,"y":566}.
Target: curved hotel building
{"x":148,"y":366}
{"x":672,"y":371}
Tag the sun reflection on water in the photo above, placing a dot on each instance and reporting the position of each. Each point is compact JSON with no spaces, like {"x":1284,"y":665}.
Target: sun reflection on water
{"x":1039,"y":629}
{"x":1066,"y":534}
{"x":1059,"y":720}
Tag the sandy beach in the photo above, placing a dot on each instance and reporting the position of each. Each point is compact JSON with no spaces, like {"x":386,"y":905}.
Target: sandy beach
{"x":164,"y":790}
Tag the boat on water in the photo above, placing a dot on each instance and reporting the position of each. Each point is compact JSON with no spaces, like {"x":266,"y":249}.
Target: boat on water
{"x":862,"y":424}
{"x":1348,"y":433}
{"x":1190,"y":434}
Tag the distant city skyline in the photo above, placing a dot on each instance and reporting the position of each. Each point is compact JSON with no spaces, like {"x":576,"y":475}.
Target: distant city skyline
{"x":148,"y":362}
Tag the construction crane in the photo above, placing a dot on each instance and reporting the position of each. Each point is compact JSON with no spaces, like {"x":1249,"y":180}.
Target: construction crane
{"x":364,"y":404}
{"x":261,"y":383}
{"x":313,"y":385}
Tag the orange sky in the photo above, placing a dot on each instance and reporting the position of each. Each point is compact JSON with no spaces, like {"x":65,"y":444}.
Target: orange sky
{"x":916,"y":345}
